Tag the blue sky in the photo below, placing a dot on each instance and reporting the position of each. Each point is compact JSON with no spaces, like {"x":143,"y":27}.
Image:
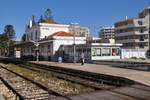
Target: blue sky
{"x":90,"y":13}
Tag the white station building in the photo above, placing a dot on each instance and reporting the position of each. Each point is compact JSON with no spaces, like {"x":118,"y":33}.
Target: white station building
{"x":51,"y":37}
{"x":45,"y":38}
{"x":38,"y":31}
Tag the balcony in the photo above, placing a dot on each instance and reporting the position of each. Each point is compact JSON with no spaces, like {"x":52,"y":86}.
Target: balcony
{"x":125,"y":33}
{"x":141,"y":40}
{"x":125,"y":41}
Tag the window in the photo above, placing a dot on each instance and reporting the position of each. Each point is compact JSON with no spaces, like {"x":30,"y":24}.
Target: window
{"x":141,"y":45}
{"x":42,"y":48}
{"x":36,"y":35}
{"x":141,"y":38}
{"x":31,"y":36}
{"x":105,"y":51}
{"x":141,"y":31}
{"x":96,"y":52}
{"x":140,"y":22}
{"x":48,"y":47}
{"x":45,"y":28}
{"x":93,"y":52}
{"x":115,"y":52}
{"x":27,"y":37}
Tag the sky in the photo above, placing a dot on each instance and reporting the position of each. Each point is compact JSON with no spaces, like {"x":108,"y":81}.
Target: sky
{"x":90,"y":13}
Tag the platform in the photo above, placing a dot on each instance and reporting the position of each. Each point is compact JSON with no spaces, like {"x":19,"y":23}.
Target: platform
{"x":142,"y":77}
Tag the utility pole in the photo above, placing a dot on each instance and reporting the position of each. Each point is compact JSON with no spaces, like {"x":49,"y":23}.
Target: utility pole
{"x":74,"y":48}
{"x":74,"y":43}
{"x":149,"y":26}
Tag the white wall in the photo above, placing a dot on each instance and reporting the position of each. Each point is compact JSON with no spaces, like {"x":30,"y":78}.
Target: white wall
{"x":105,"y":57}
{"x":66,"y":41}
{"x":33,"y":32}
{"x":128,"y":53}
{"x":49,"y":29}
{"x":46,"y":30}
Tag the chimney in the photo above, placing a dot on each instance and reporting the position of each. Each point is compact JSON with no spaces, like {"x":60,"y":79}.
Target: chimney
{"x":30,"y":23}
{"x":126,"y":18}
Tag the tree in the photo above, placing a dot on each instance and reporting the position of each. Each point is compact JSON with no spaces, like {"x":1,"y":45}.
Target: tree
{"x":41,"y":19}
{"x":23,"y":38}
{"x":9,"y":32}
{"x":9,"y":35}
{"x":3,"y":44}
{"x":48,"y":14}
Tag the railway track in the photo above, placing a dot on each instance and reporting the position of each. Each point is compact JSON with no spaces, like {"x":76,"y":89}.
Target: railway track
{"x":100,"y":78}
{"x":131,"y":91}
{"x":26,"y":89}
{"x":74,"y":78}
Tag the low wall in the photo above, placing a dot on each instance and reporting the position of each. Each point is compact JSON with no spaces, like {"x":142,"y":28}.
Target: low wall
{"x":129,"y":53}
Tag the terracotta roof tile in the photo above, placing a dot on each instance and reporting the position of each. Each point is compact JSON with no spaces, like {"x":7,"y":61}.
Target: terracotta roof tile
{"x":61,"y":33}
{"x":50,"y":22}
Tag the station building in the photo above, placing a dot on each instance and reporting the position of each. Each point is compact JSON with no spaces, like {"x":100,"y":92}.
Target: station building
{"x":92,"y":51}
{"x":36,"y":31}
{"x":60,"y":44}
{"x":45,"y":36}
{"x":48,"y":47}
{"x":45,"y":39}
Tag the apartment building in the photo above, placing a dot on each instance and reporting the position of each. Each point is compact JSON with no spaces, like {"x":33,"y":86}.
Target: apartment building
{"x":134,"y":35}
{"x":79,"y":30}
{"x":107,"y":33}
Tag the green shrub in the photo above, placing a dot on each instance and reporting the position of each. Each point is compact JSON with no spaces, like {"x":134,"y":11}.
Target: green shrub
{"x":133,"y":58}
{"x":142,"y":58}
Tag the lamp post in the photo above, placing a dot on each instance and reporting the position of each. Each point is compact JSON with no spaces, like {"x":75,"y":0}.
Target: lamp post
{"x":74,"y":43}
{"x":37,"y":49}
{"x":148,"y":53}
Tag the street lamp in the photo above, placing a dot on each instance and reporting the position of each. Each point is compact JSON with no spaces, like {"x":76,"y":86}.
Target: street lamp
{"x":37,"y":49}
{"x":149,"y":26}
{"x":74,"y":45}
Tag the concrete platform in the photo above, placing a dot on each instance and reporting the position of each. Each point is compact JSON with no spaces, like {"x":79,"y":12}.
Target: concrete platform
{"x":1,"y":97}
{"x":123,"y":93}
{"x":138,"y":76}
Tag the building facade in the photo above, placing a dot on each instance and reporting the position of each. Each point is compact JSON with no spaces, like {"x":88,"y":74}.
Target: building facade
{"x":79,"y":30}
{"x":44,"y":37}
{"x":134,"y":35}
{"x":38,"y":31}
{"x":107,"y":33}
{"x":48,"y":48}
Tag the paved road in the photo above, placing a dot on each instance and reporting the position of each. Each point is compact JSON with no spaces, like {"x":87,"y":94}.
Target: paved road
{"x":138,"y":76}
